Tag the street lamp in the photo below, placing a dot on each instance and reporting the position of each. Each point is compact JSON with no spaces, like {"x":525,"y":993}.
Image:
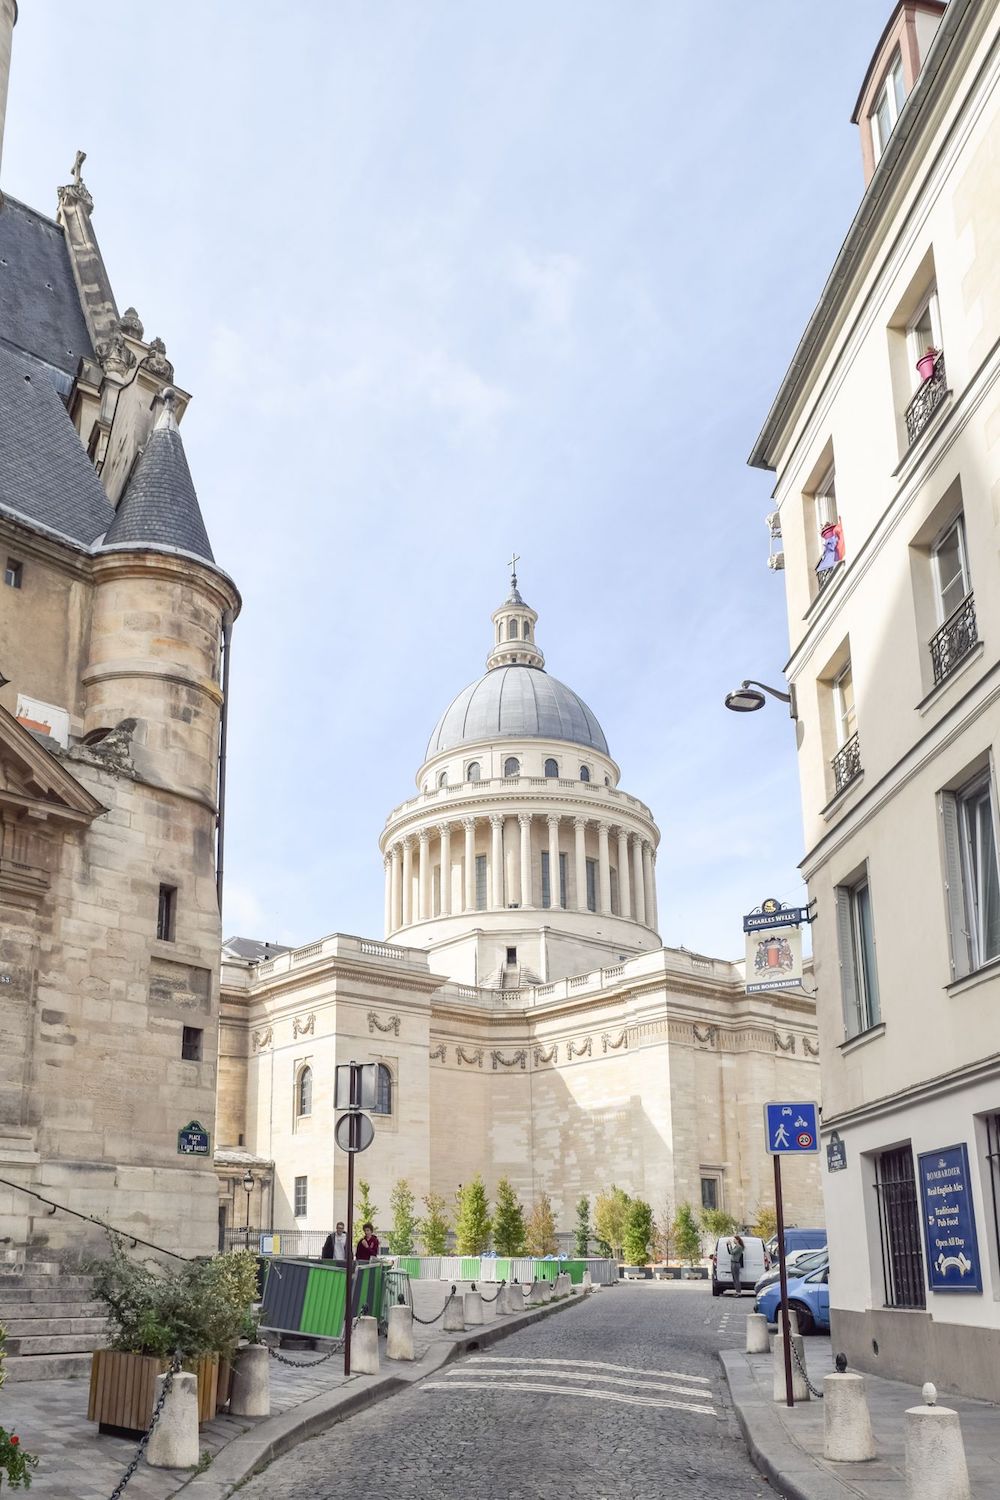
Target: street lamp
{"x":749,"y":696}
{"x":248,"y":1182}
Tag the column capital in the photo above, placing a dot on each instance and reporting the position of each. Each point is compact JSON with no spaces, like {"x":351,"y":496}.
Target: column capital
{"x":469,"y":824}
{"x":386,"y":859}
{"x":580,"y":822}
{"x":408,"y":840}
{"x":395,"y":849}
{"x":552,"y":817}
{"x":647,"y":847}
{"x":496,"y":820}
{"x":524,"y":819}
{"x":635,"y":839}
{"x":443,"y":829}
{"x":424,"y":835}
{"x":604,"y":827}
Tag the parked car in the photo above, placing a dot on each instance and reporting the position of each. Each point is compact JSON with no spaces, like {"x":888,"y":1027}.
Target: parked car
{"x":755,"y":1263}
{"x":799,"y":1263}
{"x":797,"y":1239}
{"x":808,"y":1297}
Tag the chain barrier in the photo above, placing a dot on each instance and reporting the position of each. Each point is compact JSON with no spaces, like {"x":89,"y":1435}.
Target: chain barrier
{"x":496,"y":1294}
{"x":172,"y":1370}
{"x":802,"y":1371}
{"x":428,"y":1321}
{"x":310,"y":1364}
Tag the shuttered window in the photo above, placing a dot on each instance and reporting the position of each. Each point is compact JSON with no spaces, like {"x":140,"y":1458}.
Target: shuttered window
{"x":856,"y":950}
{"x":972,"y":875}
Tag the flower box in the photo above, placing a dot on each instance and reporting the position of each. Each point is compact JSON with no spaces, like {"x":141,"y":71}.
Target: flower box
{"x":123,"y":1390}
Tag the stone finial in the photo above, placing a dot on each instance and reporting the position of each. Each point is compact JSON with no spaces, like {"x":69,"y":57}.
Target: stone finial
{"x":929,"y":1392}
{"x":130,"y":323}
{"x":167,"y":401}
{"x":115,"y":355}
{"x":76,"y":191}
{"x":156,"y":361}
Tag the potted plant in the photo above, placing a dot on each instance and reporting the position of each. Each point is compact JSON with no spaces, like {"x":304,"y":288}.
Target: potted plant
{"x":15,"y":1462}
{"x":198,"y":1311}
{"x":925,"y":364}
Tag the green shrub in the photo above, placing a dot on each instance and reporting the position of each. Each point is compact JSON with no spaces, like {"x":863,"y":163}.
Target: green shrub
{"x":638,"y":1232}
{"x":508,"y":1220}
{"x":472,"y":1218}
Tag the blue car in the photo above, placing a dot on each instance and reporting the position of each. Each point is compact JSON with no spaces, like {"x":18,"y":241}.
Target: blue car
{"x":808,"y":1297}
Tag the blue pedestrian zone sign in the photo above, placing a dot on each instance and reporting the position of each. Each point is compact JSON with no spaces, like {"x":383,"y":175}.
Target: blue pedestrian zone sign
{"x":949,"y":1221}
{"x":791,"y":1129}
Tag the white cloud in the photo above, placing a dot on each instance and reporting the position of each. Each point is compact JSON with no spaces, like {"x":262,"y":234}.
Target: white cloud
{"x":550,"y":282}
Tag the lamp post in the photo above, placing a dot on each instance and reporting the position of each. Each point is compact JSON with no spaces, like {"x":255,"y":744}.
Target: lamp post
{"x":248,"y":1182}
{"x":749,"y":696}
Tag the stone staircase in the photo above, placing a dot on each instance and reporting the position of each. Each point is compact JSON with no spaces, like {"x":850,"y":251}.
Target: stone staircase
{"x":53,"y":1325}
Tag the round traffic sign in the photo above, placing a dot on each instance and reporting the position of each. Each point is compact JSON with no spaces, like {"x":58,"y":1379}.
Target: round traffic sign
{"x":804,"y":1139}
{"x":354,"y":1132}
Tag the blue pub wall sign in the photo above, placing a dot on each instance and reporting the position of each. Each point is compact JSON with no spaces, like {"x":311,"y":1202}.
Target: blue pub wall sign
{"x":949,"y":1221}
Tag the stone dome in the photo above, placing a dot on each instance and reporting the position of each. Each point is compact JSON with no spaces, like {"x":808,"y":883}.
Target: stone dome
{"x":517,"y":703}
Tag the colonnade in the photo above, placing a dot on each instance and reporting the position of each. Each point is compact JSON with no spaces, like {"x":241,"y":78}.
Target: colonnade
{"x":413,"y":894}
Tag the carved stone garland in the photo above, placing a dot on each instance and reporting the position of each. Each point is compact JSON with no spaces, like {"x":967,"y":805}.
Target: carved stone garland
{"x":516,"y":1059}
{"x":705,"y":1034}
{"x":580,"y":1049}
{"x":471,"y":1059}
{"x":788,"y":1045}
{"x":304,"y":1027}
{"x":549,"y":1056}
{"x":608,"y":1045}
{"x":374,"y":1024}
{"x":811,"y":1049}
{"x":262,"y":1039}
{"x":440,"y":1053}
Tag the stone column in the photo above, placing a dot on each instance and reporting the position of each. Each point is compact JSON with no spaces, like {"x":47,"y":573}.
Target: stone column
{"x":524,"y":821}
{"x":638,"y":894}
{"x":408,"y":880}
{"x":652,"y":891}
{"x":494,"y":893}
{"x":444,"y":830}
{"x":424,"y":875}
{"x":389,"y":875}
{"x":469,"y":824}
{"x":555,"y":883}
{"x":397,"y":888}
{"x":580,"y":825}
{"x":604,"y":869}
{"x":649,"y":883}
{"x":624,"y":896}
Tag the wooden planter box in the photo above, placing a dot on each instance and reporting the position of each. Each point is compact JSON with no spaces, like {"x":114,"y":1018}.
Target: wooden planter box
{"x":123,"y":1389}
{"x":224,"y":1385}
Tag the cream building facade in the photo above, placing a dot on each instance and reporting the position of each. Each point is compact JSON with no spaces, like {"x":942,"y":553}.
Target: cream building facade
{"x":895,"y":670}
{"x":527,"y":1020}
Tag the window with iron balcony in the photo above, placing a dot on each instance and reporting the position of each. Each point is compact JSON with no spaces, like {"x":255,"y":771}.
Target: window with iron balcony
{"x":957,"y":633}
{"x":846,"y":764}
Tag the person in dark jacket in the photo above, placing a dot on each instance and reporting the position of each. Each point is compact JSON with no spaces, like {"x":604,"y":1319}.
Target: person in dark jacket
{"x":335,"y":1244}
{"x":367,"y":1245}
{"x":736,"y":1255}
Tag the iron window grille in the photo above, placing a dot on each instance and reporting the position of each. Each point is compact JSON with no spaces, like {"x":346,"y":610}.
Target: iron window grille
{"x":899,"y":1229}
{"x":993,"y":1158}
{"x":956,"y":638}
{"x":847,"y":764}
{"x":926,"y":402}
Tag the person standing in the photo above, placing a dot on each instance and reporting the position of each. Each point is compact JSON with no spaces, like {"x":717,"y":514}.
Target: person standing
{"x":736,"y":1254}
{"x":367,"y":1244}
{"x":335,"y":1245}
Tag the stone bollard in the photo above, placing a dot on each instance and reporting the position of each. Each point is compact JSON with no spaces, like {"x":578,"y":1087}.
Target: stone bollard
{"x":800,"y":1391}
{"x":514,"y":1298}
{"x":587,"y":1284}
{"x":364,"y":1347}
{"x":473,"y":1309}
{"x":534,"y":1295}
{"x":174,"y":1443}
{"x":758,"y":1339}
{"x":399,"y":1344}
{"x":847,"y":1424}
{"x":546,"y":1291}
{"x":563,"y":1284}
{"x":454,"y":1314}
{"x":935,"y":1454}
{"x":491,"y":1304}
{"x":250,"y":1393}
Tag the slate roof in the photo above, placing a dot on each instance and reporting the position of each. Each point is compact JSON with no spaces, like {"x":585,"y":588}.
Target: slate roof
{"x":40,"y":310}
{"x":160,"y":506}
{"x":45,"y":475}
{"x":517,"y":702}
{"x":251,"y":948}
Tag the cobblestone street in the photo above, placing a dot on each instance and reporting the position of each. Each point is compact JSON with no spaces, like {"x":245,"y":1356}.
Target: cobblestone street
{"x":621,"y":1399}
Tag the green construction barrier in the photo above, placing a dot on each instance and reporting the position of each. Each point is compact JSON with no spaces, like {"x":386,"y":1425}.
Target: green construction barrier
{"x":309,"y":1297}
{"x":469,"y":1268}
{"x":545,"y":1270}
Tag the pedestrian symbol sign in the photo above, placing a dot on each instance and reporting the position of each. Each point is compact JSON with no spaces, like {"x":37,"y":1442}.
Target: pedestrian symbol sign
{"x":791,"y":1129}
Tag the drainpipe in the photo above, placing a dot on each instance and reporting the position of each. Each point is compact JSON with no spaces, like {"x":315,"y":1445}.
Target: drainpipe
{"x":220,"y":848}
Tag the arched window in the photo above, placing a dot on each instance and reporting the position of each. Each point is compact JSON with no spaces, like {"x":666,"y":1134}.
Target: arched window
{"x":443,"y":778}
{"x":383,"y":1091}
{"x":512,"y":630}
{"x":527,"y":630}
{"x":551,"y":768}
{"x":584,"y":773}
{"x":512,"y":766}
{"x":472,"y":772}
{"x":304,"y":1093}
{"x":607,"y":781}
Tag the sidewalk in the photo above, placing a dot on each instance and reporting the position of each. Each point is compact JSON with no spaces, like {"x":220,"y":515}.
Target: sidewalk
{"x":77,"y":1463}
{"x":786,"y":1444}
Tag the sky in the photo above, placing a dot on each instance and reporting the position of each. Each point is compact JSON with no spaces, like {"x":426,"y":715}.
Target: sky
{"x":449,"y":279}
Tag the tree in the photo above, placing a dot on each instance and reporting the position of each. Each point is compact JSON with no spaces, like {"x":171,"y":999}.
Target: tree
{"x":609,"y":1217}
{"x":540,"y":1230}
{"x":402,"y":1235}
{"x":364,"y":1210}
{"x":434,"y":1228}
{"x":472,"y":1218}
{"x":508,"y":1221}
{"x":687,"y":1236}
{"x":765,"y":1225}
{"x":584,"y":1233}
{"x":664,"y":1239}
{"x":716,"y":1222}
{"x":639,"y":1230}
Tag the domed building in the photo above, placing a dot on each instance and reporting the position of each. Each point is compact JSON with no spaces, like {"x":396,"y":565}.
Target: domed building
{"x":524,"y":1016}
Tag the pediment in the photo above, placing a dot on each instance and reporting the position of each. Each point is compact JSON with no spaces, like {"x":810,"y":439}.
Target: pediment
{"x":33,"y":781}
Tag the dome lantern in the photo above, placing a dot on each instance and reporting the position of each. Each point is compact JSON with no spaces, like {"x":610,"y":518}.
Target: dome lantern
{"x":514,"y":624}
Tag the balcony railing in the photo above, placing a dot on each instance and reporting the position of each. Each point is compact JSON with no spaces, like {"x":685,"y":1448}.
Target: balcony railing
{"x":926,"y":402}
{"x":956,"y":638}
{"x":846,"y":764}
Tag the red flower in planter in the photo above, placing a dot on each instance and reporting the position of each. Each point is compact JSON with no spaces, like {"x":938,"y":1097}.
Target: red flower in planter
{"x":14,"y":1440}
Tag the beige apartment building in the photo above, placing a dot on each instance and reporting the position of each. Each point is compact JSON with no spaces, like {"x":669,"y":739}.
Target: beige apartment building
{"x":885,"y":439}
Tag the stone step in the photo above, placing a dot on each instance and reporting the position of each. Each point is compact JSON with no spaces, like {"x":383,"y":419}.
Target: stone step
{"x":69,"y":1343}
{"x":48,"y":1307}
{"x":43,"y":1267}
{"x":52,"y":1327}
{"x":51,"y":1284}
{"x":48,"y":1367}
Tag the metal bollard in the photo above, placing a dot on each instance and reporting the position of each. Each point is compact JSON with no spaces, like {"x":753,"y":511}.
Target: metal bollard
{"x":935,"y":1454}
{"x":847,"y":1423}
{"x":758,"y":1338}
{"x":174,"y":1441}
{"x":399,"y":1344}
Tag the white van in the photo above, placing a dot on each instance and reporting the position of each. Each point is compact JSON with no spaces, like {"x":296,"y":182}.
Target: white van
{"x":755,"y":1263}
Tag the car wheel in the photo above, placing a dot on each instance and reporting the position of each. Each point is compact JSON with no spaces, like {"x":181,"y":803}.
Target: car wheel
{"x":806,"y":1321}
{"x":716,"y":1288}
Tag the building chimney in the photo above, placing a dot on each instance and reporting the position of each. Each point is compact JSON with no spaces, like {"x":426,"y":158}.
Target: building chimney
{"x":8,"y":17}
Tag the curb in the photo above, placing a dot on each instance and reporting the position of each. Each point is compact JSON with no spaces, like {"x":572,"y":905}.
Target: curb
{"x":787,"y":1467}
{"x":239,"y":1460}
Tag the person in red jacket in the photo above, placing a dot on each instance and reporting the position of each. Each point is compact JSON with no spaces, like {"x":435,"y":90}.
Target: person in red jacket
{"x":367,"y":1245}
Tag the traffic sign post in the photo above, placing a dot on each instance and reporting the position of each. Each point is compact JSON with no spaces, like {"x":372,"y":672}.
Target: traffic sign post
{"x":790,"y":1129}
{"x":353,"y":1132}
